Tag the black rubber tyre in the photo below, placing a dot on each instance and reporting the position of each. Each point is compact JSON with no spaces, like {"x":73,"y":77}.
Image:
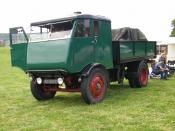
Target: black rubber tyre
{"x":140,"y":79}
{"x":93,"y":87}
{"x":39,"y":93}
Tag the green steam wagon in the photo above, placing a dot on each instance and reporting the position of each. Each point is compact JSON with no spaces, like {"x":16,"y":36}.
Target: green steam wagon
{"x":80,"y":54}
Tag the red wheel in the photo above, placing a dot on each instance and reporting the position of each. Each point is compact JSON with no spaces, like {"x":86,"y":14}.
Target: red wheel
{"x":140,"y":79}
{"x":97,"y":87}
{"x":93,"y":87}
{"x":144,"y":76}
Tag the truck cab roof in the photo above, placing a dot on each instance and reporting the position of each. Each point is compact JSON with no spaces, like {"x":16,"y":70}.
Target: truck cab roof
{"x":80,"y":16}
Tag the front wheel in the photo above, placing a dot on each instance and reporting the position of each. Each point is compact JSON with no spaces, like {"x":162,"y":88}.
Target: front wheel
{"x":39,"y":93}
{"x":93,"y":88}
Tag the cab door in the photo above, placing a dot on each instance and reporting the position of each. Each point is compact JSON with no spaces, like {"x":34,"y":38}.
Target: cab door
{"x":102,"y":43}
{"x":18,"y":44}
{"x":84,"y":44}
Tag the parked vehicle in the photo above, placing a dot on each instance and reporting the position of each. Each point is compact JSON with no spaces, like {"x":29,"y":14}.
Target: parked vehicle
{"x":80,"y":54}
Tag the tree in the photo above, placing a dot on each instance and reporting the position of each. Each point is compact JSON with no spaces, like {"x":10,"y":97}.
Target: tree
{"x":173,"y":30}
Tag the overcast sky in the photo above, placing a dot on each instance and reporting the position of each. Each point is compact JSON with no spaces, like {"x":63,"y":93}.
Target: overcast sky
{"x":153,"y":17}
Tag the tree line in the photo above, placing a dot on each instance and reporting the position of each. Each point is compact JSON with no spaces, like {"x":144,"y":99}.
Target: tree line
{"x":173,"y":30}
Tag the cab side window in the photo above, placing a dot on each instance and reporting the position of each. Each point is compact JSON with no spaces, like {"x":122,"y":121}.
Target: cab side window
{"x":96,"y":28}
{"x":83,"y":28}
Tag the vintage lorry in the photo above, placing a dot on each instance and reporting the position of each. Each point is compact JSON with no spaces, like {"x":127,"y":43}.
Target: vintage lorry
{"x":80,"y":54}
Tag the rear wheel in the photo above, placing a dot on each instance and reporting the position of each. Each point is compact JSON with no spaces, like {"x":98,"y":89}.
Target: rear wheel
{"x":140,"y":77}
{"x":39,"y":93}
{"x":93,"y":88}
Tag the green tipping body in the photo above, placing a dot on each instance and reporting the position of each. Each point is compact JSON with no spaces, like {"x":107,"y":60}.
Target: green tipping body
{"x":136,"y":49}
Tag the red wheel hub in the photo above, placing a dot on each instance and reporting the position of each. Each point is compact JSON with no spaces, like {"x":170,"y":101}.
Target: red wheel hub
{"x":144,"y":77}
{"x":97,"y":87}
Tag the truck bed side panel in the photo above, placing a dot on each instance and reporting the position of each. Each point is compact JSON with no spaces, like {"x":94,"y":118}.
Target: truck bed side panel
{"x":128,"y":51}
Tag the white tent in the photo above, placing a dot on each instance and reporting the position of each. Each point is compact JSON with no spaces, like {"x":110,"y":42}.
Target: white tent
{"x":170,"y":42}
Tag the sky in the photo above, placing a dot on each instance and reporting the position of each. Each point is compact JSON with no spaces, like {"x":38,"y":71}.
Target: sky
{"x":152,"y":17}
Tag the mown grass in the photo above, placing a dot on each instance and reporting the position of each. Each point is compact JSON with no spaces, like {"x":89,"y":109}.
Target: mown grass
{"x":145,"y":109}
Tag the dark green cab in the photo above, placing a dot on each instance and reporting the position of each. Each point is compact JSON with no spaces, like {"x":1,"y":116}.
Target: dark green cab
{"x":67,"y":44}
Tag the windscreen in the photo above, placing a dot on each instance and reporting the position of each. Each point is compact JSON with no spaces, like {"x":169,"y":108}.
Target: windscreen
{"x":61,"y":30}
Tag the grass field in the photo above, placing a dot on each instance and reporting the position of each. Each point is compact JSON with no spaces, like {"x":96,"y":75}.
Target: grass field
{"x":146,"y":109}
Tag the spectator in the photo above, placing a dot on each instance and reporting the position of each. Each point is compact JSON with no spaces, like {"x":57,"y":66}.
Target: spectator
{"x":161,"y":68}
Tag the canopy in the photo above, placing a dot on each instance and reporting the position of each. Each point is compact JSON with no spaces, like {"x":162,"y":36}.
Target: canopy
{"x":127,"y":33}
